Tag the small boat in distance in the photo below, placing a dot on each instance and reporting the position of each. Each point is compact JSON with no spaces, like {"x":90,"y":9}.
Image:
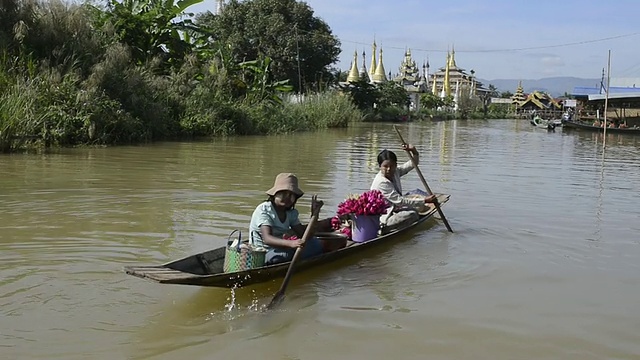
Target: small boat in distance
{"x":206,"y":268}
{"x":539,"y":122}
{"x":590,"y":127}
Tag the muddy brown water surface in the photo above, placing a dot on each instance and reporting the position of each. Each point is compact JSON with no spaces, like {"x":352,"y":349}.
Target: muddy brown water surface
{"x":543,"y":263}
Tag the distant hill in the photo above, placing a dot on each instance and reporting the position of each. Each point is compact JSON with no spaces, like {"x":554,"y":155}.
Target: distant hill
{"x":556,"y":86}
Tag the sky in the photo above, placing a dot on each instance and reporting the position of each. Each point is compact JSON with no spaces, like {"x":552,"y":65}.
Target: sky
{"x":496,"y":38}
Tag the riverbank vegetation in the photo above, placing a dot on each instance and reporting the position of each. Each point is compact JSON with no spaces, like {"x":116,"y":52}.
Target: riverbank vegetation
{"x":135,"y":71}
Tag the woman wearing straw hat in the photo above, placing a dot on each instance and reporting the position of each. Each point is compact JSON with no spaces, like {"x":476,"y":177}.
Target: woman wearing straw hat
{"x":274,"y":219}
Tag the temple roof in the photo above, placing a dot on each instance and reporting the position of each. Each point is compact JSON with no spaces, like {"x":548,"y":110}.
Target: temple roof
{"x":408,"y":69}
{"x":540,"y":100}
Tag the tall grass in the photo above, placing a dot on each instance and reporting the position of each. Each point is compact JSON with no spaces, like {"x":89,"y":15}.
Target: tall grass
{"x":65,"y":82}
{"x":19,"y":123}
{"x":322,"y":110}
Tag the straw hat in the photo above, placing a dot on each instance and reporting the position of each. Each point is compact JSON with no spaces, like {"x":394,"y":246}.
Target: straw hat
{"x":286,"y":181}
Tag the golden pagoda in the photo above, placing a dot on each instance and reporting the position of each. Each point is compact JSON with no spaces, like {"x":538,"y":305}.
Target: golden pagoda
{"x":449,"y":75}
{"x":379,"y":75}
{"x":519,"y":97}
{"x":374,"y":64}
{"x":353,"y":72}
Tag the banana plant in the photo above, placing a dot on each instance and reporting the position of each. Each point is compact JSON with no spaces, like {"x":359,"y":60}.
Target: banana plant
{"x":152,"y":27}
{"x":256,"y":76}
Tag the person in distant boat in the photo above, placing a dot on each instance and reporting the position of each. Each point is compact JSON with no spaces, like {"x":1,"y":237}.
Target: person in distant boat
{"x":275,"y":224}
{"x":404,"y":208}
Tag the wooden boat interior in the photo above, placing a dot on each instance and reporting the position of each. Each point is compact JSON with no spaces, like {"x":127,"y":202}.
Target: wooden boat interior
{"x":206,"y":268}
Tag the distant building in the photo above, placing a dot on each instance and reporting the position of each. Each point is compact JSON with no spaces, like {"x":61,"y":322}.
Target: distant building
{"x":518,"y":97}
{"x":450,"y":80}
{"x":536,"y":102}
{"x":411,"y":79}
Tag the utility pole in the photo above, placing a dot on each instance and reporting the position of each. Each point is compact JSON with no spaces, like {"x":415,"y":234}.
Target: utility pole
{"x":295,"y":27}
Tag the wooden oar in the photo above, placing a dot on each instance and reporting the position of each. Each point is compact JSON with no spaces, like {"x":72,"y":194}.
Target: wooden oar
{"x":277,"y":298}
{"x":424,"y":182}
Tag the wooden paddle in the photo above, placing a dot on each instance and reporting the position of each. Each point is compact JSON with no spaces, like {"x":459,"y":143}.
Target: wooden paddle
{"x":424,"y":182}
{"x":315,"y":212}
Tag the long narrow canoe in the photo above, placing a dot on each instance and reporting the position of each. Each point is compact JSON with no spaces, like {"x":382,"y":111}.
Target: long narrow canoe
{"x":205,"y":269}
{"x":583,"y":126}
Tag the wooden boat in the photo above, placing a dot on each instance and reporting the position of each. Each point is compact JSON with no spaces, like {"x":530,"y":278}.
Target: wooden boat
{"x":584,"y":126}
{"x":542,"y":123}
{"x":205,"y":269}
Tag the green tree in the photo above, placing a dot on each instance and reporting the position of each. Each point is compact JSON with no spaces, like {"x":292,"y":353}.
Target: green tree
{"x":506,"y":94}
{"x":431,"y":101}
{"x":301,"y":45}
{"x":363,"y":94}
{"x":486,"y":98}
{"x":151,"y":28}
{"x":392,"y":94}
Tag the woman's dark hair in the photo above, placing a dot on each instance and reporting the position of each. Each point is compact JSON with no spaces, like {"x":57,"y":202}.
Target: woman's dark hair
{"x":387,"y":155}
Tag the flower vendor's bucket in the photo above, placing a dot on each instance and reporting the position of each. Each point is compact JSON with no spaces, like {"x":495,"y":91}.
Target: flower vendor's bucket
{"x":365,"y":227}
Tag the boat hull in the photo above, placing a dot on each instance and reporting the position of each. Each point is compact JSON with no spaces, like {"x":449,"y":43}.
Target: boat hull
{"x":205,"y":269}
{"x":581,"y":126}
{"x":544,"y":124}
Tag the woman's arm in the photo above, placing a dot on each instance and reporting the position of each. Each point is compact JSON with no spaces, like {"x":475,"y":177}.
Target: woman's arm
{"x":408,"y":166}
{"x":396,"y":198}
{"x":321,"y":226}
{"x":269,"y":239}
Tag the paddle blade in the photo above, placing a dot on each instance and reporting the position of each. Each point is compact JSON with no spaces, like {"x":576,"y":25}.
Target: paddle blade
{"x":277,"y":300}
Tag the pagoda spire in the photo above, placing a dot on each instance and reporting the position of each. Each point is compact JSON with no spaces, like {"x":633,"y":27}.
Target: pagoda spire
{"x":434,"y":89}
{"x":364,"y":75}
{"x":456,"y":96}
{"x":380,"y":74}
{"x":518,"y":98}
{"x":372,"y":68}
{"x":452,"y":59}
{"x":353,"y":73}
{"x":446,"y":87}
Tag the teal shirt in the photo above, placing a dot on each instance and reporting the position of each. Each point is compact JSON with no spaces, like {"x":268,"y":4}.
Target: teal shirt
{"x":265,"y":214}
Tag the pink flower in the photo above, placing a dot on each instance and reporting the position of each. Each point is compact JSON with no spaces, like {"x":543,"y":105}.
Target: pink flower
{"x":371,"y":202}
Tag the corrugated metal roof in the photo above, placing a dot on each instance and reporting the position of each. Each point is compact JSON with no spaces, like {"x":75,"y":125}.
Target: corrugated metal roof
{"x":587,"y":91}
{"x":622,"y":95}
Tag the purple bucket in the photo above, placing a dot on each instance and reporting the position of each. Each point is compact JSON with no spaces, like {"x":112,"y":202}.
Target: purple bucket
{"x":365,"y":227}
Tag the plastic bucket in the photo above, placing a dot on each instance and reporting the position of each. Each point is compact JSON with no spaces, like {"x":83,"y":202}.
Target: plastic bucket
{"x":365,"y":227}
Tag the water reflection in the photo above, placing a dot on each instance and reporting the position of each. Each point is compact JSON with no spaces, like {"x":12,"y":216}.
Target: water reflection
{"x":543,"y":260}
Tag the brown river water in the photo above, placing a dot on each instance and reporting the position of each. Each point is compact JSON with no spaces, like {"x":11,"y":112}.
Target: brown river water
{"x":543,"y":264}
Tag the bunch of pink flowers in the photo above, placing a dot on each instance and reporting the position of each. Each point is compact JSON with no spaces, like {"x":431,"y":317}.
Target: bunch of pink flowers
{"x":370,"y":202}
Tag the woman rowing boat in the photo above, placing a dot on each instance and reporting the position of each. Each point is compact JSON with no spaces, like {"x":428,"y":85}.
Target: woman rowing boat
{"x":275,"y":219}
{"x":405,"y":208}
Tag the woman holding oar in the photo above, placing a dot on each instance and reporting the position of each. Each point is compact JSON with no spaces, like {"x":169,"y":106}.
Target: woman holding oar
{"x":276,"y":227}
{"x":405,"y":208}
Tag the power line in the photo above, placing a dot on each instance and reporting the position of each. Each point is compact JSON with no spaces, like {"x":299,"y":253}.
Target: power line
{"x":511,"y":49}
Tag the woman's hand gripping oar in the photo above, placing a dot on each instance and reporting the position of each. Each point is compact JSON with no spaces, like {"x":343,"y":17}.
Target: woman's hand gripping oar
{"x":315,"y":212}
{"x":424,"y":182}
